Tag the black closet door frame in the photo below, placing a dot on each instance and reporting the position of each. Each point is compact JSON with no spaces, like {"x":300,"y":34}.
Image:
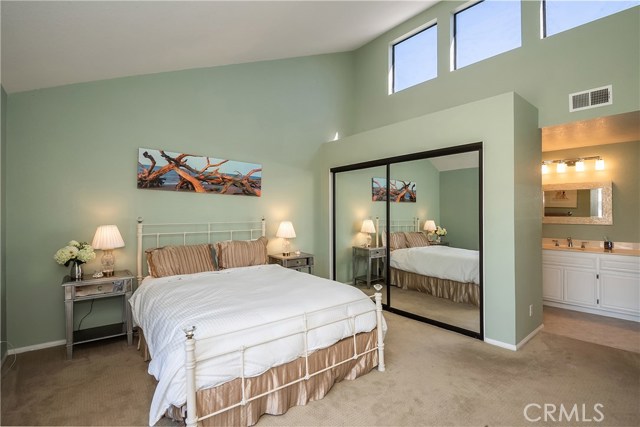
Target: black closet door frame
{"x":387,"y":162}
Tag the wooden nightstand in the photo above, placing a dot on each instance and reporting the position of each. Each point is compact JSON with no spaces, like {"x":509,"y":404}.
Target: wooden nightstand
{"x":369,"y":254}
{"x":118,"y":285}
{"x":299,"y":262}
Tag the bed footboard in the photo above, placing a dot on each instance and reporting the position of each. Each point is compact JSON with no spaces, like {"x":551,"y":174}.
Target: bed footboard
{"x":192,"y":416}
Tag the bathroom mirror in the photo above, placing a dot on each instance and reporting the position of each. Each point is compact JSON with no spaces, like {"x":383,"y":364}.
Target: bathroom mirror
{"x":578,"y":203}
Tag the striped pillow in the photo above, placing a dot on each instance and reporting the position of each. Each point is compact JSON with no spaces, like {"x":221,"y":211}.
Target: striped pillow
{"x":397,"y":241}
{"x":174,"y":260}
{"x":241,"y":253}
{"x":416,"y":239}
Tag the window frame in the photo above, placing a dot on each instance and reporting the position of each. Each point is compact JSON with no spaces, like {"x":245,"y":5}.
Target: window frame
{"x":392,"y":60}
{"x":454,"y":34}
{"x":543,"y":20}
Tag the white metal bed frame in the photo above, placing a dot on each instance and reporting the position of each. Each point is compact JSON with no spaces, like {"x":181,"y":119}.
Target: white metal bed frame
{"x":192,"y":417}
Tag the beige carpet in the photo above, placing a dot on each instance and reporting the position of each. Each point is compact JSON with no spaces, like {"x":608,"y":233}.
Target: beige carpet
{"x":434,"y":377}
{"x":465,"y":316}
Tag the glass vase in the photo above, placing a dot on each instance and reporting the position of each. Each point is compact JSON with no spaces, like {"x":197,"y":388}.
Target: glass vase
{"x":76,"y":271}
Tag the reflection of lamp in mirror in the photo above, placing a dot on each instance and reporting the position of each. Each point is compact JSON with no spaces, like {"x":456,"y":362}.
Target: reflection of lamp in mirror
{"x":430,"y":228}
{"x":286,"y":232}
{"x":369,"y":228}
{"x":107,"y":238}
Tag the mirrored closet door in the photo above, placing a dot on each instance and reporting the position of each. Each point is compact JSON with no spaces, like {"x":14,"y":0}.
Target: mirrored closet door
{"x":426,"y":250}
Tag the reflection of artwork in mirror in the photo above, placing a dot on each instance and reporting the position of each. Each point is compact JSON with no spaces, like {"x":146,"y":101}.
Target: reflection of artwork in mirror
{"x":562,"y":199}
{"x":583,"y":203}
{"x":399,"y":190}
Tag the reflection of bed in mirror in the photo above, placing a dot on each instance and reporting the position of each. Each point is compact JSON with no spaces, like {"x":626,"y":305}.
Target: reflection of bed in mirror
{"x":441,"y":271}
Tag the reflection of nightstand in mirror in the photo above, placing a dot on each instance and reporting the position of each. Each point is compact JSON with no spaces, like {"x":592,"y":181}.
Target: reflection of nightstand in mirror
{"x":368,"y":254}
{"x":440,"y":243}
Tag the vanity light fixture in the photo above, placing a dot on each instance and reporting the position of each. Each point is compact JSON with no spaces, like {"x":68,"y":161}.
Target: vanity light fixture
{"x":561,"y":167}
{"x":578,"y":163}
{"x":545,"y":167}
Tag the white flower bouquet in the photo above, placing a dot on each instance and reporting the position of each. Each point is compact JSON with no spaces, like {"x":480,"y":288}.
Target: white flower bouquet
{"x":440,"y":231}
{"x":79,"y":252}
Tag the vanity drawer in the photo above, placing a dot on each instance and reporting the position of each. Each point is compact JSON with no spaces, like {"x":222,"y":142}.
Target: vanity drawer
{"x":578,"y":259}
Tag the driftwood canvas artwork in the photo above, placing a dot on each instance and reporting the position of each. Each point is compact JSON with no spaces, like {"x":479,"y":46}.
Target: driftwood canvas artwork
{"x":399,"y":191}
{"x":165,"y":170}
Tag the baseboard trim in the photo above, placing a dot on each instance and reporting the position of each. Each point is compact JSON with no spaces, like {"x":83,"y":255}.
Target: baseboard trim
{"x":597,"y":311}
{"x":517,"y":346}
{"x":500,"y":344}
{"x":528,"y":337}
{"x":37,"y":347}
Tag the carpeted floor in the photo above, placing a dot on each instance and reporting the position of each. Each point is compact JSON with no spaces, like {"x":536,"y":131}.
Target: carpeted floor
{"x":433,"y":377}
{"x":465,"y":316}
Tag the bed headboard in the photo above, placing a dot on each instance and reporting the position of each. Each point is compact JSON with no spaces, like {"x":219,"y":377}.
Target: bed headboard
{"x":396,"y":225}
{"x":162,"y":234}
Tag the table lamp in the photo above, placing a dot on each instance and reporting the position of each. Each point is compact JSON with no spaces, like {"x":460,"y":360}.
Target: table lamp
{"x":107,"y":238}
{"x":430,"y":228}
{"x":368,"y":227}
{"x":286,"y":232}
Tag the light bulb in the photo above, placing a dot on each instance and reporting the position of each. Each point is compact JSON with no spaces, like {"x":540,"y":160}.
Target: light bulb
{"x":600,"y":164}
{"x":580,"y":166}
{"x":561,"y":167}
{"x":545,"y":168}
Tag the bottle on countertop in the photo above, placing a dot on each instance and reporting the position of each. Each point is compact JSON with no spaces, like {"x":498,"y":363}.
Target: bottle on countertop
{"x":608,"y":244}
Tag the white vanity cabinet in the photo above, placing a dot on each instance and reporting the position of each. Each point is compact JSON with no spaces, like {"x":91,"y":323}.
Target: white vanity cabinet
{"x":599,"y":283}
{"x":620,"y":283}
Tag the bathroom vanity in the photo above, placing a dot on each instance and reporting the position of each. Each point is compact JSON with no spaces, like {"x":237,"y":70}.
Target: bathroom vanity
{"x":592,"y":280}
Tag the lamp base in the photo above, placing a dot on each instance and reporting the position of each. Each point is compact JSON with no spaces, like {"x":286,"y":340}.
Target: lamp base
{"x":108,"y":262}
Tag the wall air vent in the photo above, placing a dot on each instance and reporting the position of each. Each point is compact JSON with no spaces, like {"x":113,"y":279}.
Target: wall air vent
{"x":591,"y":98}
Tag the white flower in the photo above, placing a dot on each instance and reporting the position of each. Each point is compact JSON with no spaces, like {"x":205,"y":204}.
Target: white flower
{"x":440,"y":231}
{"x":76,"y":251}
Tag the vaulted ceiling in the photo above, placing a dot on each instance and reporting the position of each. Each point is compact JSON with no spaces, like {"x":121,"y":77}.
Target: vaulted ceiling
{"x":52,"y":43}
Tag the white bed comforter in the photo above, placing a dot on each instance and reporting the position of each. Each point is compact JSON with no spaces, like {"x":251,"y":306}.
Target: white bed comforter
{"x":442,"y":262}
{"x":227,"y":301}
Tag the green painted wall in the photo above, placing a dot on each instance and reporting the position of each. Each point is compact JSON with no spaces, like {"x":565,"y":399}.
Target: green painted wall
{"x":528,"y":219}
{"x":74,"y":153}
{"x":622,"y":166}
{"x":543,"y":71}
{"x":3,"y":208}
{"x":492,"y":121}
{"x":459,"y":207}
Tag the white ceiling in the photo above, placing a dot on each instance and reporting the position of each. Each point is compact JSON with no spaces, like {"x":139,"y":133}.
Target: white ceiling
{"x":53,"y":43}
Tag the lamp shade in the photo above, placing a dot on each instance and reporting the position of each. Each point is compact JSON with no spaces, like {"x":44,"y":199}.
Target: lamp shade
{"x":368,"y":227}
{"x":286,"y":230}
{"x":107,"y":237}
{"x":430,"y":225}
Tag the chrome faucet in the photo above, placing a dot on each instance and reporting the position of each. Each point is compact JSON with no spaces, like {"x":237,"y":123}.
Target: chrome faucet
{"x":569,"y":242}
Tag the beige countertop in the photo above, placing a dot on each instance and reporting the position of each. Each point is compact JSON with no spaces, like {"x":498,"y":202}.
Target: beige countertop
{"x":593,"y":250}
